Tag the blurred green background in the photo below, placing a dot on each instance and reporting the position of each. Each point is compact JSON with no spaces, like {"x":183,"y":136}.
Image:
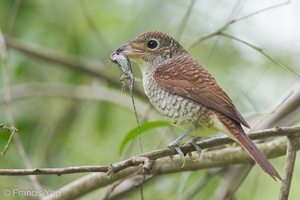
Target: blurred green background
{"x":68,"y":117}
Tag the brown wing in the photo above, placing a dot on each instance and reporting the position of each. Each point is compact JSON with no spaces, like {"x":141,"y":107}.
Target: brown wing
{"x":186,"y":77}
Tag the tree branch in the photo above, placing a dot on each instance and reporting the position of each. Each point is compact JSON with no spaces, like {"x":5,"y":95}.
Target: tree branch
{"x":214,"y":158}
{"x":66,"y":61}
{"x":81,"y":92}
{"x":224,"y":27}
{"x":292,"y":148}
{"x":7,"y":98}
{"x":260,"y":50}
{"x":209,"y":159}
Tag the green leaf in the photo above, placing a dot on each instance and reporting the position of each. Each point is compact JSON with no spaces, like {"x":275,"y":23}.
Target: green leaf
{"x":143,"y":128}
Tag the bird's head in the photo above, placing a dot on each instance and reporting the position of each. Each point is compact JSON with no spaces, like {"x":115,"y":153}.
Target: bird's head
{"x":151,"y":49}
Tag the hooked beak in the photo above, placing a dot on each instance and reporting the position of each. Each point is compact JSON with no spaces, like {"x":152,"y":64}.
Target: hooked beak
{"x":129,"y":51}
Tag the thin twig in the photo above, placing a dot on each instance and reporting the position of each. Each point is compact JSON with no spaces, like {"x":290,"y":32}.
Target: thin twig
{"x":11,"y":119}
{"x":202,"y":38}
{"x":103,"y":41}
{"x":9,"y":129}
{"x":13,"y":16}
{"x":135,"y":114}
{"x":236,"y":188}
{"x":260,"y":50}
{"x":260,"y":11}
{"x":184,"y":20}
{"x":285,"y":114}
{"x":209,"y":175}
{"x":272,"y":111}
{"x":224,"y":27}
{"x":291,"y":153}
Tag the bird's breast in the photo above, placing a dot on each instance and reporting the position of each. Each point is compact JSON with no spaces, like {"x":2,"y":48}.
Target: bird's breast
{"x":178,"y":110}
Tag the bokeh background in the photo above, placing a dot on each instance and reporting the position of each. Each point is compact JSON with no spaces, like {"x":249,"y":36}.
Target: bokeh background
{"x":67,"y":101}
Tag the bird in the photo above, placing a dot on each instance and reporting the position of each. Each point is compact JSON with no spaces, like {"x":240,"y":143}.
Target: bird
{"x":187,"y":95}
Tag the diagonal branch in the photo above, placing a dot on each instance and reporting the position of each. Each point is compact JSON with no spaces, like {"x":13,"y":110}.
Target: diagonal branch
{"x":260,"y":50}
{"x":184,"y":20}
{"x":224,"y":27}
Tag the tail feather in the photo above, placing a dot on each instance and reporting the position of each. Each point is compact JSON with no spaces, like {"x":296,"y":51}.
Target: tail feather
{"x":256,"y":154}
{"x":241,"y":137}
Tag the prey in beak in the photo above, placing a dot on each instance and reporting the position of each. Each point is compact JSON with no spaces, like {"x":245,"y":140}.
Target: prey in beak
{"x":121,"y":58}
{"x":129,"y":51}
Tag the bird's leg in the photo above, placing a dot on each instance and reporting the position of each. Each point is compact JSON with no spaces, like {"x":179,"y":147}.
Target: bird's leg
{"x":175,"y":143}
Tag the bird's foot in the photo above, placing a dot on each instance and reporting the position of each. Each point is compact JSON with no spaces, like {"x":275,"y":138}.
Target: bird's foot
{"x":196,"y":146}
{"x":174,"y":145}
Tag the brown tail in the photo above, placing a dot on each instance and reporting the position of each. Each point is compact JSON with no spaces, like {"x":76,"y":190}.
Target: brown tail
{"x":241,"y":137}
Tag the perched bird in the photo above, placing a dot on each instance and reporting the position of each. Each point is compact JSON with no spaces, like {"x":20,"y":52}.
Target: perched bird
{"x":186,"y":94}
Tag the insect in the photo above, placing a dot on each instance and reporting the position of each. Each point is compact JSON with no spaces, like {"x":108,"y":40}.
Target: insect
{"x":122,"y":60}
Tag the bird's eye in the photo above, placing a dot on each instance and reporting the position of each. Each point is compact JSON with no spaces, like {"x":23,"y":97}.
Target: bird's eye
{"x":152,"y":44}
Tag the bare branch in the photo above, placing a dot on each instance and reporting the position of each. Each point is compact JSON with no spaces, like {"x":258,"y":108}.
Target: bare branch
{"x":7,"y":99}
{"x":209,"y":159}
{"x":50,"y":56}
{"x":221,"y":29}
{"x":286,"y":112}
{"x":13,"y":16}
{"x":269,"y":150}
{"x":202,"y":183}
{"x":81,"y":92}
{"x":292,"y":147}
{"x":260,"y":11}
{"x":103,"y":41}
{"x":184,"y":20}
{"x":66,"y":61}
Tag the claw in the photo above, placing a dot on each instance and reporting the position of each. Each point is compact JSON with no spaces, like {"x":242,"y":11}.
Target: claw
{"x":190,"y":154}
{"x":177,"y":148}
{"x":196,"y":146}
{"x":171,"y":158}
{"x":175,"y":143}
{"x":193,"y":142}
{"x":181,"y":154}
{"x":183,"y":163}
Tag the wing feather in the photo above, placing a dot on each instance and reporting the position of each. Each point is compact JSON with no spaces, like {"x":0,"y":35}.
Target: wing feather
{"x":186,"y":77}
